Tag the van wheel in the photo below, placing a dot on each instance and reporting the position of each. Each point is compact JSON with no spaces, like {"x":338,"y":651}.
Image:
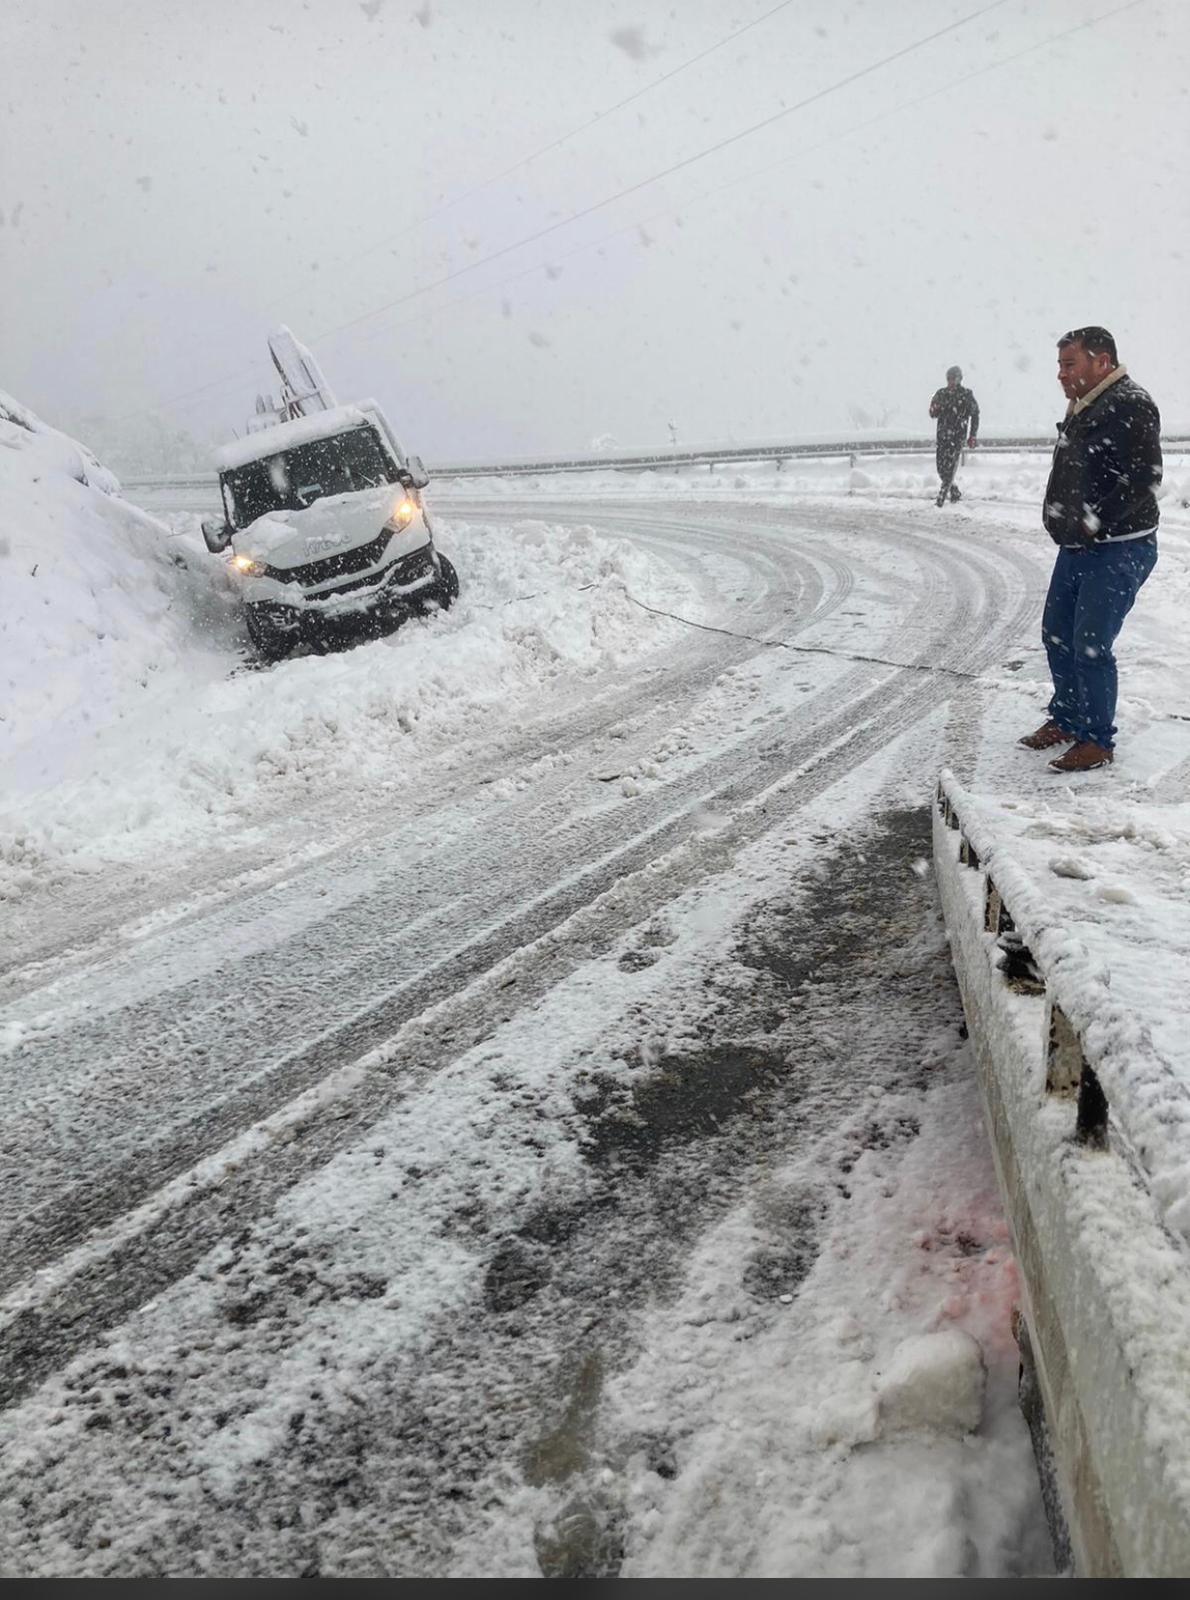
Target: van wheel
{"x":269,"y":642}
{"x":446,"y":591}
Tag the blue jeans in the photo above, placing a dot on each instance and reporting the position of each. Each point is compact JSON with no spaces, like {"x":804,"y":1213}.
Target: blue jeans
{"x":1091,"y":592}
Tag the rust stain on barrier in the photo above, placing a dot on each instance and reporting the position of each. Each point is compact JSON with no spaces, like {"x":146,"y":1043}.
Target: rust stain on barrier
{"x":996,"y":917}
{"x":1068,"y":1073}
{"x":1063,"y":1053}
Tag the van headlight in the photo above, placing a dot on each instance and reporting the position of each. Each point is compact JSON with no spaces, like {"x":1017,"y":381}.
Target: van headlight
{"x":247,"y":566}
{"x":403,"y":513}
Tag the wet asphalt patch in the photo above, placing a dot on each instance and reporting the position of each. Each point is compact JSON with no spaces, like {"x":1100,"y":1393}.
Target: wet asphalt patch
{"x":514,"y":1390}
{"x":682,"y":1098}
{"x":683,"y":1138}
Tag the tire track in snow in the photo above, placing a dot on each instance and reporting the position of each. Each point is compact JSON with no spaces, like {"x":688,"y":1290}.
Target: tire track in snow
{"x":40,"y":947}
{"x":410,"y":1038}
{"x":205,"y":1018}
{"x":211,"y":1027}
{"x":418,"y":1032}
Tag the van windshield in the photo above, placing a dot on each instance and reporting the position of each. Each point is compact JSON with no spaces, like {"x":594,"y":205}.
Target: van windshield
{"x":308,"y":472}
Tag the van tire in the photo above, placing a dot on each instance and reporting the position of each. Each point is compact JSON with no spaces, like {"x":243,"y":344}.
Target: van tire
{"x":446,"y":591}
{"x":269,"y":642}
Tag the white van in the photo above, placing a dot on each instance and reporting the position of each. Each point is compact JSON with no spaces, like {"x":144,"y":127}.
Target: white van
{"x":327,"y":531}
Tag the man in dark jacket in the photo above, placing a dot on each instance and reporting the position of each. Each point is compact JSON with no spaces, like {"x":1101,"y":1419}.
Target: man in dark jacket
{"x":1101,"y":511}
{"x":958,"y":423}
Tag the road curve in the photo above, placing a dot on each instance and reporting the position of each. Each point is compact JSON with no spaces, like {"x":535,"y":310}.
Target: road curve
{"x":401,"y":945}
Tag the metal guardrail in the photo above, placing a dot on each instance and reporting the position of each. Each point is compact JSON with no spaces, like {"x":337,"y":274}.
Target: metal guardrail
{"x":713,"y":455}
{"x":709,"y":456}
{"x":1105,"y":1387}
{"x":1068,"y":1073}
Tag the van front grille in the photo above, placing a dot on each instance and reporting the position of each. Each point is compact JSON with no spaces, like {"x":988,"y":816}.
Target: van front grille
{"x":338,"y":564}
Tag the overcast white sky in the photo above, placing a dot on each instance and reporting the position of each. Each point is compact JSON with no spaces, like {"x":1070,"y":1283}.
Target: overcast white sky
{"x":179,"y":176}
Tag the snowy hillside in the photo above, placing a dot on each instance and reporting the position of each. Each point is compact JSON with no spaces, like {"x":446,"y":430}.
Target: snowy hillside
{"x":101,"y":603}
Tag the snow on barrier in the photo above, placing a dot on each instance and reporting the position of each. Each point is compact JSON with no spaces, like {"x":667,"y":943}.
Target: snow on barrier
{"x":1088,"y":1124}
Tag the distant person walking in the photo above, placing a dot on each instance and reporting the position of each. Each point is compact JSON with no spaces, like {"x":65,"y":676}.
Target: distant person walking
{"x":1101,"y":511}
{"x":957,"y":411}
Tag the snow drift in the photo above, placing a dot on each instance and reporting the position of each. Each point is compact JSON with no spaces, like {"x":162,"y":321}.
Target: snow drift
{"x":100,"y":600}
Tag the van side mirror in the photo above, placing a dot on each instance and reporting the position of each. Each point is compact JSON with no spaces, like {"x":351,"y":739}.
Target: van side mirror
{"x":217,"y":534}
{"x":416,"y":473}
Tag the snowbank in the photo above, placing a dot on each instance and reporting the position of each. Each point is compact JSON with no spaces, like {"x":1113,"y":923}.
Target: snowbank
{"x":54,"y":451}
{"x":101,"y":601}
{"x":934,"y":1382}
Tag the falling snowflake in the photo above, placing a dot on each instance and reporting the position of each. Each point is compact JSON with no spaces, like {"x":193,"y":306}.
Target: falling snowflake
{"x":631,"y":41}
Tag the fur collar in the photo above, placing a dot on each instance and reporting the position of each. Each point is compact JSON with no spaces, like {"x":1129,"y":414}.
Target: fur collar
{"x":1114,"y":376}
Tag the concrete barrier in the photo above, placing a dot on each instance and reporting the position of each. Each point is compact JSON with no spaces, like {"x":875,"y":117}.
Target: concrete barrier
{"x":1105,"y":1283}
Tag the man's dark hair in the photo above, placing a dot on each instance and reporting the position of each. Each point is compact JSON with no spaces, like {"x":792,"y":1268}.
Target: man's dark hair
{"x":1095,"y":341}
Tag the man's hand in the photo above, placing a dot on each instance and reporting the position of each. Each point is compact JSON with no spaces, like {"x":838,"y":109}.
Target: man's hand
{"x":972,"y":442}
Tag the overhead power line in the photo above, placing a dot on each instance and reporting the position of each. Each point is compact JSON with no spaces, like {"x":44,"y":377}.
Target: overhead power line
{"x":602,"y":116}
{"x":738,"y":180}
{"x":600,"y":205}
{"x":656,"y":177}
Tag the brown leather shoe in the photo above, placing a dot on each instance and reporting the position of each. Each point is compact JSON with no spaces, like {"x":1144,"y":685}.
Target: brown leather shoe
{"x":1083,"y":757}
{"x":1048,"y":735}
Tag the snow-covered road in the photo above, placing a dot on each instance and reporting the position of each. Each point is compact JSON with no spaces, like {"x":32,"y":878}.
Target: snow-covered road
{"x":518,"y":1166}
{"x":213,"y":1017}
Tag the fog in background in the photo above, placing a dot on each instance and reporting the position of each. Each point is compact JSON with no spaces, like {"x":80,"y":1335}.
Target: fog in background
{"x":177,"y":177}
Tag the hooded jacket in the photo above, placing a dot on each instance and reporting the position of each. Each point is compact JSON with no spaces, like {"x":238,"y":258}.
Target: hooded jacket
{"x":1107,"y":463}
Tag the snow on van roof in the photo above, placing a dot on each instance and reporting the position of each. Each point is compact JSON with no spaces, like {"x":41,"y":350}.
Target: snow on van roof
{"x":287,"y":435}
